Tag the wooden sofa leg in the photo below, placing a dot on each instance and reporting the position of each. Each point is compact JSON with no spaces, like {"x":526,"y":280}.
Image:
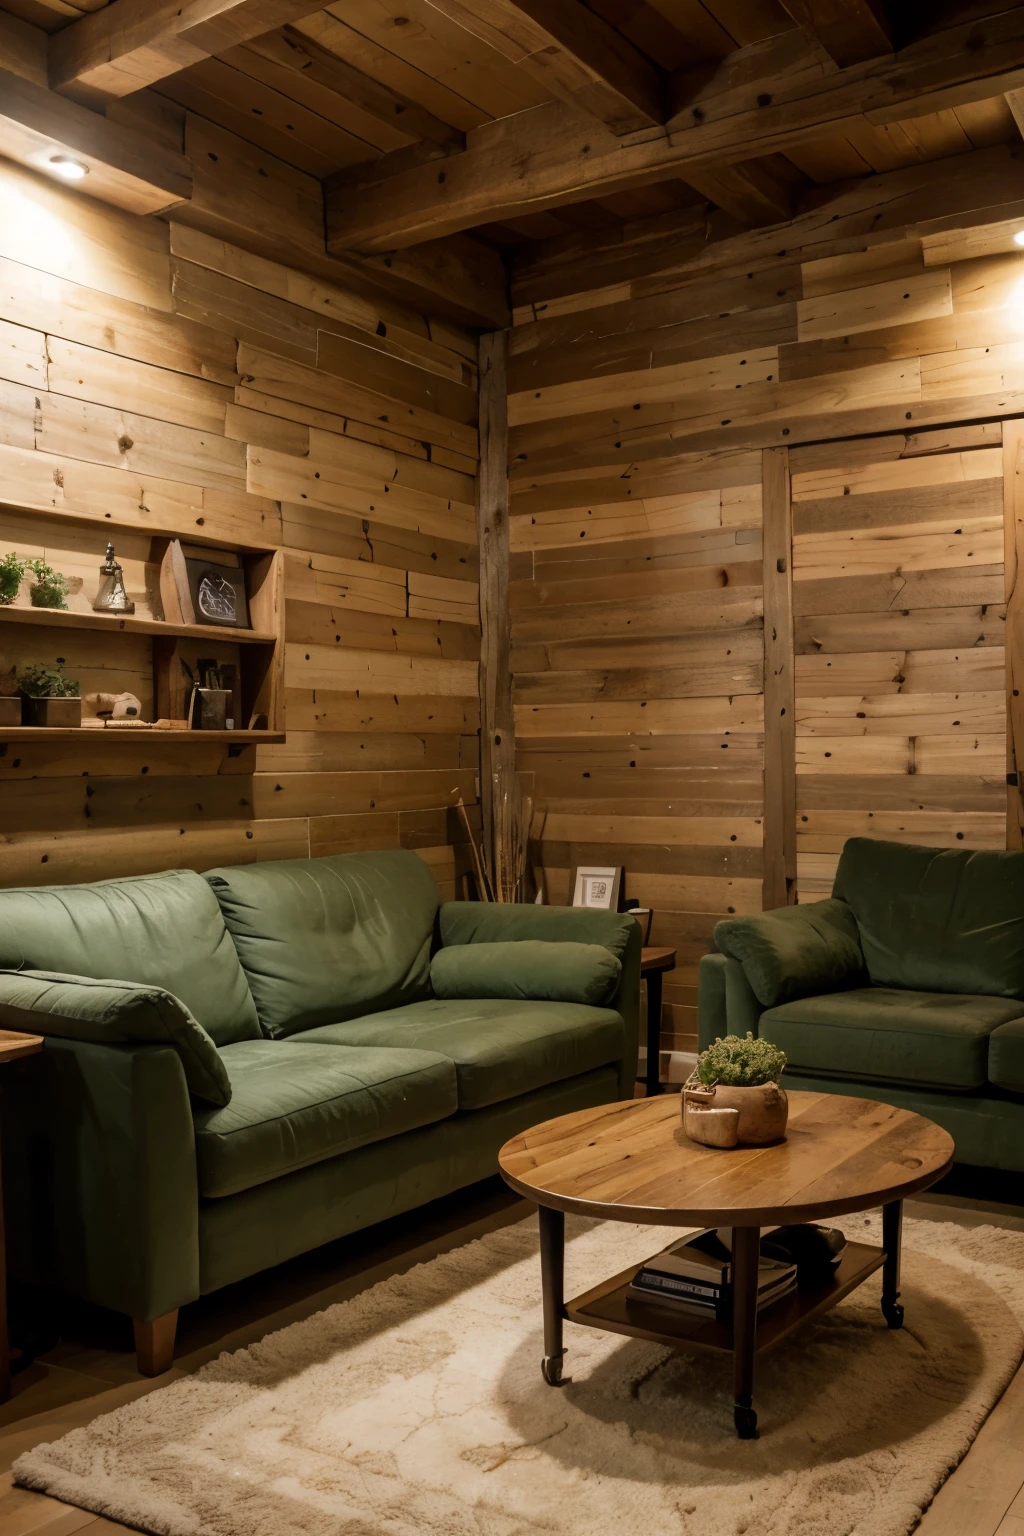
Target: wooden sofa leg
{"x":154,"y":1343}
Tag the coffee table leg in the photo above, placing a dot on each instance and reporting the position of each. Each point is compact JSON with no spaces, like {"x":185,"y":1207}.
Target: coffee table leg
{"x":746,"y":1249}
{"x":892,"y":1235}
{"x":552,"y":1279}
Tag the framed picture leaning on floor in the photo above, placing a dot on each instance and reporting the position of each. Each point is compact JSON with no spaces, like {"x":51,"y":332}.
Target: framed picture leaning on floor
{"x":594,"y":886}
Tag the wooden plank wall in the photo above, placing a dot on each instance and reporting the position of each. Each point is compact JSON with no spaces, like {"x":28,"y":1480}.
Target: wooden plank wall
{"x":639,"y":408}
{"x":151,"y":375}
{"x":900,"y":628}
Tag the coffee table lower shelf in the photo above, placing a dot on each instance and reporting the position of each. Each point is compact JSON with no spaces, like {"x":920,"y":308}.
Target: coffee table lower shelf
{"x":612,"y":1307}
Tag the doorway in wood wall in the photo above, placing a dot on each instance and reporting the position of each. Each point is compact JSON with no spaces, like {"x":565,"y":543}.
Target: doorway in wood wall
{"x":899,"y":631}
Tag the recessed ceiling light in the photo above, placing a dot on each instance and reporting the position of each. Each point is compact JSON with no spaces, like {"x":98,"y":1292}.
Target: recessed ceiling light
{"x":1018,"y":238}
{"x":71,"y":170}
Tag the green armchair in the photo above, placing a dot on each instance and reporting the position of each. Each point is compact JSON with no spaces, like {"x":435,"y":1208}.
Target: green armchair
{"x":271,"y":1066}
{"x":907,"y":985}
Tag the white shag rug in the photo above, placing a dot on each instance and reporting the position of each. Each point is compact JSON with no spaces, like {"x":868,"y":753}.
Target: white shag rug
{"x":418,"y":1409}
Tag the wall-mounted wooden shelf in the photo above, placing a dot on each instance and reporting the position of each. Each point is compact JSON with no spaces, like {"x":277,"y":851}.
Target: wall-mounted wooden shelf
{"x":60,"y":618}
{"x":95,"y":733}
{"x":159,"y":658}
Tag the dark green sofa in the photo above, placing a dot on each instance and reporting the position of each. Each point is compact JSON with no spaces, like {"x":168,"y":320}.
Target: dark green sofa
{"x":906,"y":986}
{"x":273,"y":1067}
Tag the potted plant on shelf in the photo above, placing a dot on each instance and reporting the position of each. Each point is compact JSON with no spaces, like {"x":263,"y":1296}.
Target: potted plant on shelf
{"x":50,"y":588}
{"x":49,"y":698}
{"x":12,"y":571}
{"x":743,"y":1074}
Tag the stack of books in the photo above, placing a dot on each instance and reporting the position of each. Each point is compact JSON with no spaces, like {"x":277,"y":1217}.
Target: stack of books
{"x":694,"y":1275}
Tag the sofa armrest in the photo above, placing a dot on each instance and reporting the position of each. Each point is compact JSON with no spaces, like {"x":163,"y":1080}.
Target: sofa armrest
{"x":726,"y":1004}
{"x":114,"y":1012}
{"x":795,"y":952}
{"x":102,"y":1195}
{"x":482,"y":922}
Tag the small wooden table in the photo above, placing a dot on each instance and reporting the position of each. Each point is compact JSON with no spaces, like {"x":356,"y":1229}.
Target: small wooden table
{"x":631,"y":1162}
{"x":13,"y":1045}
{"x":654,"y":962}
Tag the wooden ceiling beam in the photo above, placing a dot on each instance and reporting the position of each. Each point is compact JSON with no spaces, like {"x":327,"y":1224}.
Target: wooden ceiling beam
{"x":850,"y":31}
{"x":941,"y":201}
{"x":121,"y":166}
{"x":324,"y":68}
{"x":760,"y":100}
{"x":133,"y":43}
{"x":753,"y":193}
{"x":574,"y":52}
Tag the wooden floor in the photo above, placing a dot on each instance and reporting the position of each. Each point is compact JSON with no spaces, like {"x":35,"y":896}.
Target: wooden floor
{"x":93,"y":1372}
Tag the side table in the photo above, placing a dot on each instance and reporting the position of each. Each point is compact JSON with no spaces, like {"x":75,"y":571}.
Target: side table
{"x":654,"y":962}
{"x":12,"y":1045}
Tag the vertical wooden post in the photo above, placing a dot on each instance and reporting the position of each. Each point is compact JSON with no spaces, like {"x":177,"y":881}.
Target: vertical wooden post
{"x":778,"y":882}
{"x":497,"y":733}
{"x":1013,"y":565}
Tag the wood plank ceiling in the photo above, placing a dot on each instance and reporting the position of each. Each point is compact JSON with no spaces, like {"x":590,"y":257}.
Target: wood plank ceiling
{"x":361,"y":92}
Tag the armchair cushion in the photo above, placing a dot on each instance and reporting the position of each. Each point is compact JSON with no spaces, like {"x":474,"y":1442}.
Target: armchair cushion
{"x":528,"y":969}
{"x":114,"y":1012}
{"x":1006,"y":1056}
{"x":500,"y":1048}
{"x":890,"y":1035}
{"x":796,"y":951}
{"x":937,"y":919}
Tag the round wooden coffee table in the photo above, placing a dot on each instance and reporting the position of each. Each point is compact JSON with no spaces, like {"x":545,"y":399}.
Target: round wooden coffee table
{"x":631,"y":1162}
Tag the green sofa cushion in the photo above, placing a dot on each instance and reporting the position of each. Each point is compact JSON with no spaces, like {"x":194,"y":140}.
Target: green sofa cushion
{"x":889,"y":1035}
{"x":795,"y":951}
{"x":937,"y":919}
{"x":114,"y":1012}
{"x":500,"y":1048}
{"x":158,"y":930}
{"x":1006,"y":1056}
{"x":527,"y":969}
{"x":292,"y":1106}
{"x":485,"y":922}
{"x":328,"y":939}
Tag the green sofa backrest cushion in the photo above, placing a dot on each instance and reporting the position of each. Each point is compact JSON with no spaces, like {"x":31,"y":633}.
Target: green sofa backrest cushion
{"x":795,"y":951}
{"x":527,"y":968}
{"x":158,"y":930}
{"x":325,"y":940}
{"x":937,"y":919}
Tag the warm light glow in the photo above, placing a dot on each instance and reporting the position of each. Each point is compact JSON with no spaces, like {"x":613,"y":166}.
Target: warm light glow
{"x":1018,"y":238}
{"x":71,"y":170}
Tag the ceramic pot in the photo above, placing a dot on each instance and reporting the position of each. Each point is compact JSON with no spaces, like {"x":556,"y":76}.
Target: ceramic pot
{"x":764,"y":1112}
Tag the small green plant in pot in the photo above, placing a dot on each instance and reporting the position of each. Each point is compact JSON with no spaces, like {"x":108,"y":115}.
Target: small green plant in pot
{"x":743,"y":1074}
{"x":12,"y":571}
{"x":49,"y":698}
{"x":50,"y":589}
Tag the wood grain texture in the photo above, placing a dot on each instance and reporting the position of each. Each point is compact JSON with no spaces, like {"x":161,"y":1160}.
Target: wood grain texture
{"x":779,"y":879}
{"x":632,"y":1162}
{"x":126,"y":416}
{"x":1013,"y":491}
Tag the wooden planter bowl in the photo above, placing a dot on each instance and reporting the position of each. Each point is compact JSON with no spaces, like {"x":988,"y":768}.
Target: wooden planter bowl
{"x":64,"y":714}
{"x":729,"y":1117}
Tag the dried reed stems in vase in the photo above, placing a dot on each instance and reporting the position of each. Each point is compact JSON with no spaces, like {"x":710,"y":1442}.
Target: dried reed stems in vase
{"x":501,"y":869}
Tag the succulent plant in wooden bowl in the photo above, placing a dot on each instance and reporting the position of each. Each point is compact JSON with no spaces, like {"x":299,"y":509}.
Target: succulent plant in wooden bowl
{"x":742,"y":1074}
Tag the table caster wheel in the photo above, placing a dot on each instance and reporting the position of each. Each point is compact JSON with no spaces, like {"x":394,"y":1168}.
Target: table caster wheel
{"x":893,"y":1313}
{"x":746,"y":1423}
{"x":551,"y":1370}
